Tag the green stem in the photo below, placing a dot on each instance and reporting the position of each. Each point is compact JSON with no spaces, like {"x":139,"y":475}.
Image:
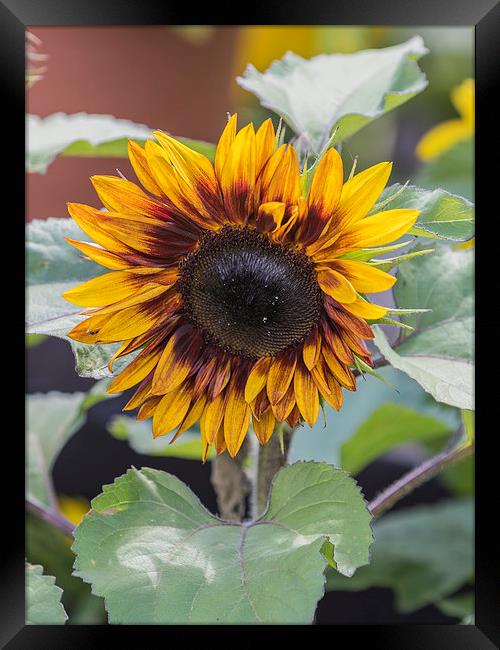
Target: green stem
{"x":50,"y":516}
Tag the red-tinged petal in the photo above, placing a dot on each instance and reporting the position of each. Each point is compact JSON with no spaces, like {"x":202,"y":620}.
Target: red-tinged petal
{"x":324,"y":194}
{"x":177,"y":360}
{"x":336,"y":285}
{"x":285,"y":406}
{"x":125,"y":197}
{"x":269,"y":216}
{"x":212,"y":418}
{"x":284,"y":185}
{"x":137,"y":157}
{"x":348,"y":321}
{"x":257,"y":378}
{"x":193,"y":415}
{"x":148,"y":408}
{"x":306,"y":394}
{"x":311,"y":348}
{"x":221,"y":377}
{"x":171,"y":410}
{"x":280,"y":375}
{"x":260,"y":405}
{"x":341,"y":372}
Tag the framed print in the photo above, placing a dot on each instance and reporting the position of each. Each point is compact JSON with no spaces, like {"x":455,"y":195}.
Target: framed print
{"x":251,"y":282}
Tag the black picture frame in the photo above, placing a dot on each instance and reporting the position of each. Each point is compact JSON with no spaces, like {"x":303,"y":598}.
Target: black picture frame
{"x":484,"y":15}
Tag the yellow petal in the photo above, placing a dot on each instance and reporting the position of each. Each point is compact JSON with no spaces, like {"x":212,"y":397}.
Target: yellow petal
{"x":361,"y":192}
{"x":136,"y":370}
{"x":335,"y":285}
{"x":238,"y":176}
{"x":224,"y":145}
{"x":212,"y":418}
{"x":270,"y":216}
{"x":264,"y":144}
{"x":441,"y":138}
{"x":125,"y":197}
{"x":281,"y":177}
{"x":171,"y":410}
{"x":100,"y":255}
{"x":365,"y":309}
{"x":381,"y":228}
{"x":311,"y":349}
{"x":363,"y":277}
{"x":139,"y":162}
{"x":462,"y":97}
{"x":111,"y":287}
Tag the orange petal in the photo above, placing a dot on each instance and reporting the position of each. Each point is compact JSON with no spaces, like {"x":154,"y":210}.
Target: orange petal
{"x":306,"y":394}
{"x":285,"y":406}
{"x":280,"y":375}
{"x":341,"y":372}
{"x":212,"y":418}
{"x":311,"y":348}
{"x":137,"y":370}
{"x":257,"y":378}
{"x":148,"y":408}
{"x":264,"y":427}
{"x":270,"y":215}
{"x":236,"y":420}
{"x":284,"y":184}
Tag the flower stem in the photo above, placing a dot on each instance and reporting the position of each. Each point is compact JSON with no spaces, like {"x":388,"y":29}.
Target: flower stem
{"x":271,"y":458}
{"x":231,"y":484}
{"x":50,"y":516}
{"x":417,"y":477}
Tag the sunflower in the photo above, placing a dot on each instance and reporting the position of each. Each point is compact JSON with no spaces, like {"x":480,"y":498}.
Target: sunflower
{"x":239,"y":291}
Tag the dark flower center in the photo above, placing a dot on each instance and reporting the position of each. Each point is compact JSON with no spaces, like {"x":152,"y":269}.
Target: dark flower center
{"x":249,"y":295}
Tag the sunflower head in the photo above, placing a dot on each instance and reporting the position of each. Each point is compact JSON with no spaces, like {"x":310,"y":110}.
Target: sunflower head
{"x":239,"y":295}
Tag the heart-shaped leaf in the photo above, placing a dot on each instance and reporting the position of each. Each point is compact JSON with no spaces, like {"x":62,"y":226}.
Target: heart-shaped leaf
{"x":157,"y":556}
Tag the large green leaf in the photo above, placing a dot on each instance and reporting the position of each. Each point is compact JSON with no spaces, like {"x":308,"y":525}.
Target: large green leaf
{"x":460,"y":606}
{"x":157,"y":556}
{"x":453,"y":170}
{"x":43,"y":598}
{"x":53,"y":267}
{"x":338,"y":93}
{"x":390,"y":426}
{"x":442,"y":215}
{"x":439,"y":352}
{"x":52,"y":418}
{"x":424,"y":553}
{"x":82,"y":134}
{"x":140,"y":438}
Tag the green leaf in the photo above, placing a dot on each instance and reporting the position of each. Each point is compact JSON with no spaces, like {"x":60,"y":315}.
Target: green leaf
{"x":43,"y":598}
{"x":50,"y":136}
{"x":50,"y":547}
{"x":453,"y":170}
{"x":439,"y":353}
{"x":469,"y":426}
{"x":87,"y":135}
{"x":53,"y":267}
{"x":338,"y":93}
{"x":460,"y":606}
{"x":424,"y":553}
{"x":157,"y":556}
{"x":443,"y":215}
{"x":389,"y":426}
{"x":32,"y":340}
{"x":140,"y":438}
{"x":52,"y":418}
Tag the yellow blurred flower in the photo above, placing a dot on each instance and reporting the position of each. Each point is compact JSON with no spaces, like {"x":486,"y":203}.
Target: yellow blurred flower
{"x":73,"y":508}
{"x":443,"y":136}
